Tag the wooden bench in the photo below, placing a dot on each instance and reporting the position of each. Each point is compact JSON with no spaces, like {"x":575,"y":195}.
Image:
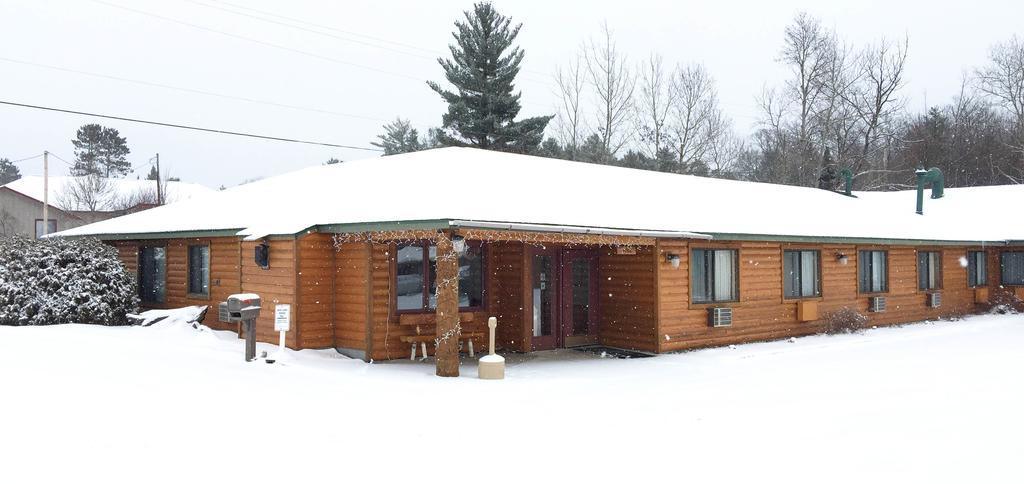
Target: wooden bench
{"x":423,"y":339}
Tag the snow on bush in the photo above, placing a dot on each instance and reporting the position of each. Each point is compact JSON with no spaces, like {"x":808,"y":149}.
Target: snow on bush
{"x":1005,"y":302}
{"x":62,"y":281}
{"x":189,"y":315}
{"x":845,"y":320}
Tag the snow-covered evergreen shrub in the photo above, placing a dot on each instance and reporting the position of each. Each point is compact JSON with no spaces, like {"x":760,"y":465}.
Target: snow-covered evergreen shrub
{"x":62,"y":281}
{"x":845,"y":320}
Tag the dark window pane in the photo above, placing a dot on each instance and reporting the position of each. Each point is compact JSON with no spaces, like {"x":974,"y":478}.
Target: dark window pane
{"x":1012,"y":264}
{"x":152,"y":271}
{"x":409,"y":277}
{"x":922,"y":270}
{"x":580,"y":296}
{"x":977,"y":273}
{"x":471,"y":278}
{"x":790,"y":273}
{"x":699,"y":276}
{"x":199,"y":269}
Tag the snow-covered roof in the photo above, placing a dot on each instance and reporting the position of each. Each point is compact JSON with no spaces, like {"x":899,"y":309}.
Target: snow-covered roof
{"x":485,"y":186}
{"x":113,"y":192}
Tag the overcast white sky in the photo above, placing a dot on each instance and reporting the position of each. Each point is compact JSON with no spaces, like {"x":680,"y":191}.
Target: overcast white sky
{"x":350,"y":84}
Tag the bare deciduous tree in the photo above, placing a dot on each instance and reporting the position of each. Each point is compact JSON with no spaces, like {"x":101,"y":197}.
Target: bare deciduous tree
{"x":656,"y":101}
{"x":613,"y":83}
{"x":88,"y":193}
{"x":697,"y":121}
{"x":1003,"y":80}
{"x":571,"y":82}
{"x":880,"y":70}
{"x":8,"y":223}
{"x":807,"y":50}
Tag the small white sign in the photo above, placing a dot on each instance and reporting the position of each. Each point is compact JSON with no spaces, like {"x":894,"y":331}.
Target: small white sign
{"x":282,"y":317}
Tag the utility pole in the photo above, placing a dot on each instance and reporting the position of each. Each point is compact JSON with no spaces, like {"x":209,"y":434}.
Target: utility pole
{"x":46,"y":192}
{"x":159,"y":194}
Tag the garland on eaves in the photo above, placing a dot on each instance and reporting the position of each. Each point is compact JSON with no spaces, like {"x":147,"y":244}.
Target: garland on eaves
{"x":536,"y":239}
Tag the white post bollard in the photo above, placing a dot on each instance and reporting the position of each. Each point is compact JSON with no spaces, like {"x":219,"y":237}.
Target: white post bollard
{"x":492,"y":366}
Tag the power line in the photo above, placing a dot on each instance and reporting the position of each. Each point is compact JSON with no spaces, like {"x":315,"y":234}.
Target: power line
{"x":306,"y":22}
{"x":208,"y":93}
{"x":432,"y":52}
{"x":66,"y":162}
{"x":26,"y":159}
{"x":190,"y":90}
{"x":305,"y":29}
{"x":183,"y":126}
{"x":257,"y":41}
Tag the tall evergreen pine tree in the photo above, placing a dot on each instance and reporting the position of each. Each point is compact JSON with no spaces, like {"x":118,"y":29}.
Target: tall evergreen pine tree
{"x":482,"y":112}
{"x":829,"y":177}
{"x":8,"y":171}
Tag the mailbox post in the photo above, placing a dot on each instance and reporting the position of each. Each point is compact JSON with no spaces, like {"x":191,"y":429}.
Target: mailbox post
{"x":244,"y":308}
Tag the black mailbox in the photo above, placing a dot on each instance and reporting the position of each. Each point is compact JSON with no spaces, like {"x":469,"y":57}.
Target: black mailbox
{"x":263,"y":255}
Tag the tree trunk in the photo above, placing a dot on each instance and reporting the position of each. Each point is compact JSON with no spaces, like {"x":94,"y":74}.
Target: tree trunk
{"x":446,"y":352}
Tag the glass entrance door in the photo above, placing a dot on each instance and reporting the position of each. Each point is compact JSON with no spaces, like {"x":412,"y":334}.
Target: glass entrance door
{"x":545,"y":299}
{"x":579,"y":314}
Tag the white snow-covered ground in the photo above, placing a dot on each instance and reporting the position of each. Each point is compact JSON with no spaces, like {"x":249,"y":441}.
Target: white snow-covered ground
{"x":933,"y":402}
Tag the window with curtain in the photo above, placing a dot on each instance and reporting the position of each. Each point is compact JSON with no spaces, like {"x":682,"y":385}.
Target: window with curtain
{"x":929,"y":270}
{"x":800,"y":269}
{"x":977,"y":268}
{"x":416,"y":277}
{"x":1012,"y":268}
{"x":199,"y":270}
{"x":714,"y":275}
{"x":152,"y":273}
{"x":872,"y":266}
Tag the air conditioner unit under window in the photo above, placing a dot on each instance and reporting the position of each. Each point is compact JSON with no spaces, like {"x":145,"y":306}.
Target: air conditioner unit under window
{"x":934,"y":299}
{"x":876,"y":304}
{"x":720,"y":317}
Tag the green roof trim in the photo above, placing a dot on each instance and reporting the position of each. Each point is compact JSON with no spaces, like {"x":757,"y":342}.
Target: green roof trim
{"x":846,"y":240}
{"x":443,"y":224}
{"x":188,"y":234}
{"x":438,"y":224}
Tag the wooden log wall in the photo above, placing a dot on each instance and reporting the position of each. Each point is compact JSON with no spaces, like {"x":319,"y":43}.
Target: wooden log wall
{"x":316,"y":278}
{"x":224,"y":273}
{"x":342,"y":296}
{"x":627,"y":299}
{"x":506,"y":298}
{"x":352,"y":295}
{"x":763,"y":313}
{"x":275,"y":285}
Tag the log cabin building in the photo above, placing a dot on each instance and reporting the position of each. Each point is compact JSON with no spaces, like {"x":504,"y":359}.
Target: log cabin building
{"x":566,"y":254}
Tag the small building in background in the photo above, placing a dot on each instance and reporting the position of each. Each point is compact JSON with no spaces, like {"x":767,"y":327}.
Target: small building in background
{"x":77,"y":201}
